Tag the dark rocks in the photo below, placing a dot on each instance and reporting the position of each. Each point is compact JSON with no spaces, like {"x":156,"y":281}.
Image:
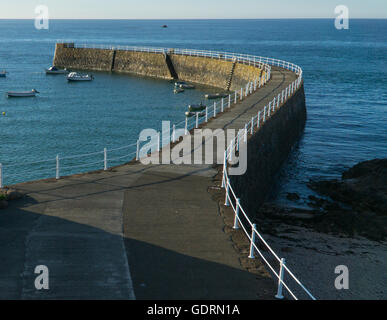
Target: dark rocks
{"x":7,"y":195}
{"x":3,"y":204}
{"x":293,"y":196}
{"x":363,"y":187}
{"x":353,"y":206}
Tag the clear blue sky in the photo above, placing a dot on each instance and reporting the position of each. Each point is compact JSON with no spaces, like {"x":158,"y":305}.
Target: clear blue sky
{"x":188,"y":9}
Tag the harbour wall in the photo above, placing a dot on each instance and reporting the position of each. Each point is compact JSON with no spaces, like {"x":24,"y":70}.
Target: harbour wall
{"x":268,"y":149}
{"x":202,"y":70}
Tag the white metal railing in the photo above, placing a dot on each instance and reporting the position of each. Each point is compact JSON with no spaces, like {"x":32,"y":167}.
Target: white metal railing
{"x":241,"y":219}
{"x":60,"y":166}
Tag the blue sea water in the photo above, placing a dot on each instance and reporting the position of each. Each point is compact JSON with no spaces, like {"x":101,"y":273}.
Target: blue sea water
{"x":345,"y":84}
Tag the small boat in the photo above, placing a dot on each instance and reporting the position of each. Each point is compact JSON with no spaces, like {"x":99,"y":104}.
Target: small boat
{"x":179,"y":83}
{"x":3,"y":74}
{"x":196,"y":107}
{"x":75,"y":76}
{"x":178,"y":90}
{"x":187,"y":86}
{"x":55,"y":70}
{"x":164,"y":26}
{"x":22,"y":94}
{"x":215,"y":96}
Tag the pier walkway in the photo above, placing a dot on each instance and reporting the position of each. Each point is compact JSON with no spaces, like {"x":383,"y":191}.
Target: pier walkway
{"x":145,"y":232}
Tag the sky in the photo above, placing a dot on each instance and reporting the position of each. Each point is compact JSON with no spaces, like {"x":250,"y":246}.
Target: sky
{"x":197,"y":9}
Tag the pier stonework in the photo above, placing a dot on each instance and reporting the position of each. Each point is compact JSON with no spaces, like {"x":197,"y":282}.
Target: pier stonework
{"x":201,"y":70}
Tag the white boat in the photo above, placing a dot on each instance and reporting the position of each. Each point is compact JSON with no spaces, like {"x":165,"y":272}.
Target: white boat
{"x":3,"y":74}
{"x":55,"y":70}
{"x":22,"y":94}
{"x":74,"y":76}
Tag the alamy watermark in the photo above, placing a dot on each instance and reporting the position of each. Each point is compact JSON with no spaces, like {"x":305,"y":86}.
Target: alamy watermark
{"x":197,"y":148}
{"x":342,"y":17}
{"x":42,"y":280}
{"x":342,"y":281}
{"x":42,"y":18}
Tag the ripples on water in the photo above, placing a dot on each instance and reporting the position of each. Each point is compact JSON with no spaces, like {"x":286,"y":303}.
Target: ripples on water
{"x":345,"y":84}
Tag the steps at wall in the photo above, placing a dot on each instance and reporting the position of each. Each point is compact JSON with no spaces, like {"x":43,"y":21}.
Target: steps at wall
{"x":171,"y":68}
{"x":229,"y":81}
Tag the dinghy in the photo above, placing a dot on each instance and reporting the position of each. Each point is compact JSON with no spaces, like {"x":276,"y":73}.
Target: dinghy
{"x":215,"y":96}
{"x":74,"y":76}
{"x":178,"y":90}
{"x":196,"y":107}
{"x":3,"y":74}
{"x":187,"y":86}
{"x":22,"y":94}
{"x":55,"y":70}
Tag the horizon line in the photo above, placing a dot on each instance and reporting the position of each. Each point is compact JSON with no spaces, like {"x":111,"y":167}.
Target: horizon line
{"x":179,"y":19}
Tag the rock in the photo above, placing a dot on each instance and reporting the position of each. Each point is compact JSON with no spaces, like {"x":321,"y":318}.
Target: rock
{"x":3,"y":204}
{"x":293,"y":196}
{"x":12,"y":195}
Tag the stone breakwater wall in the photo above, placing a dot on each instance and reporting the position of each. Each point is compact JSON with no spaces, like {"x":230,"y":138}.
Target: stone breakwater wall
{"x":268,"y":149}
{"x":202,"y":70}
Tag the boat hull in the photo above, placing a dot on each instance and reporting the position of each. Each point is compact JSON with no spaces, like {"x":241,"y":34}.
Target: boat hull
{"x":21,"y":94}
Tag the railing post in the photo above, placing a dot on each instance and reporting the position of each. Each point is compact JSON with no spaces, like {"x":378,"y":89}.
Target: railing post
{"x":227,"y":202}
{"x":197,"y":120}
{"x":241,"y":94}
{"x":105,"y":165}
{"x":222,"y":105}
{"x":236,"y":218}
{"x":264,"y":114}
{"x":274,"y":100}
{"x":258,"y":118}
{"x":174,"y":133}
{"x":57,"y":175}
{"x":224,"y":168}
{"x":158,"y":142}
{"x":229,"y":100}
{"x":231,"y":151}
{"x":138,"y":150}
{"x":259,"y":82}
{"x":186,"y":126}
{"x":269,"y":110}
{"x":1,"y":176}
{"x":279,"y":294}
{"x":252,"y":125}
{"x":245,"y":134}
{"x":214,"y":109}
{"x":206,"y":114}
{"x":252,"y":249}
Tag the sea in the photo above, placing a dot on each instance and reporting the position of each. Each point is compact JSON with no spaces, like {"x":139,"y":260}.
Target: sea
{"x":345,"y":73}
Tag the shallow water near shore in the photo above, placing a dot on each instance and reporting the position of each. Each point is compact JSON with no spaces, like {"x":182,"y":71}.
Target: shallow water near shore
{"x":345,"y":78}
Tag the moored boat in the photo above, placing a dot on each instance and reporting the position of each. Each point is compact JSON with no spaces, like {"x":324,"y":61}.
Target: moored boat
{"x":75,"y":76}
{"x":215,"y":96}
{"x":55,"y":70}
{"x":178,"y":90}
{"x":196,"y":107}
{"x":22,"y":94}
{"x":187,"y":86}
{"x":3,"y":74}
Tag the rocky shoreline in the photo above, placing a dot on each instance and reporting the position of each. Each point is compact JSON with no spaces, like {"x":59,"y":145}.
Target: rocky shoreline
{"x":346,"y":224}
{"x":355,"y":205}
